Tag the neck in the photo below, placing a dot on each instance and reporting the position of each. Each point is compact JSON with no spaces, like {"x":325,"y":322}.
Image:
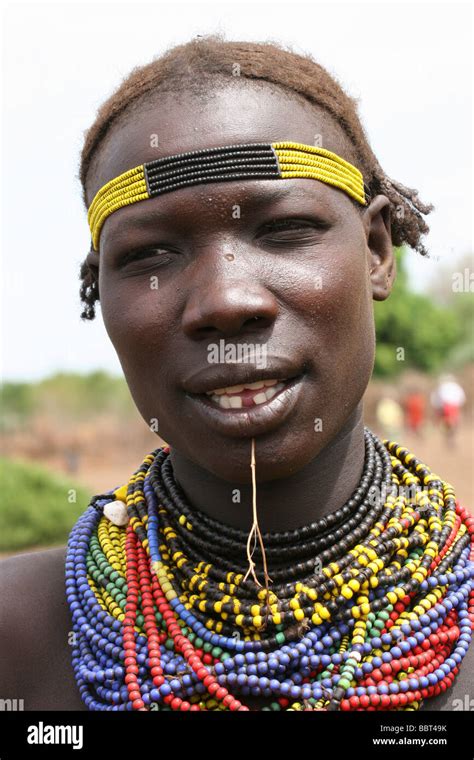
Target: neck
{"x":321,"y":487}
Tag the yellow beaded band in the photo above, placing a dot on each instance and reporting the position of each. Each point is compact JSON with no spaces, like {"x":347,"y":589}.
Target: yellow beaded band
{"x":280,"y":160}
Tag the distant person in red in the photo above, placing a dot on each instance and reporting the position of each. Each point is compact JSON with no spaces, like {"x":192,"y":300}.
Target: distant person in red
{"x":448,"y":398}
{"x":415,"y":406}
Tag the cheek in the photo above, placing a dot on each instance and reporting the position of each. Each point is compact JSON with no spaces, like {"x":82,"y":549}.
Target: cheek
{"x":131,"y":305}
{"x":335,"y":298}
{"x":349,"y":306}
{"x":352,"y":331}
{"x":339,"y":314}
{"x":138,"y":317}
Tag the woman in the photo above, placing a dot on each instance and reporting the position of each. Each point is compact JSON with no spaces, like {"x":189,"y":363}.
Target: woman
{"x":240,"y":574}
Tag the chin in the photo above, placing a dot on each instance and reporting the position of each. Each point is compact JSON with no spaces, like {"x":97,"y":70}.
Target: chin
{"x":278,"y":455}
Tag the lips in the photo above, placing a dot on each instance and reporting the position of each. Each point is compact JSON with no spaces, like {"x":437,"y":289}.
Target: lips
{"x":214,"y":379}
{"x":241,"y":400}
{"x":250,"y":418}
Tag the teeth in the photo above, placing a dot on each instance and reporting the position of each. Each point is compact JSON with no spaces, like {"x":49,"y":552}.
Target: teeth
{"x":235,"y":402}
{"x":257,"y":385}
{"x":272,"y":392}
{"x":239,"y":388}
{"x":230,"y":389}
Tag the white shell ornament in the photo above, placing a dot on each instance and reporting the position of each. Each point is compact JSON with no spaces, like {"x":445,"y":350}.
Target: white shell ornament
{"x":116,"y":512}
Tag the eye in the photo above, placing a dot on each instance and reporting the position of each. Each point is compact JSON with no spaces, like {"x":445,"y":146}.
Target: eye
{"x":140,"y":254}
{"x":291,"y":229}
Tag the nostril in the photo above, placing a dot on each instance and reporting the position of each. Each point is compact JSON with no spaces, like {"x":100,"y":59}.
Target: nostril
{"x":250,"y":320}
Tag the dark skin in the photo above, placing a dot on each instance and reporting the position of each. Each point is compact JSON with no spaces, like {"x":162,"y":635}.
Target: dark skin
{"x":227,"y":278}
{"x":233,"y":278}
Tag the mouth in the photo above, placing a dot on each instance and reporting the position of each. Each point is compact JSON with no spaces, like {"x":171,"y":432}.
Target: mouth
{"x":248,"y":409}
{"x":247,"y":394}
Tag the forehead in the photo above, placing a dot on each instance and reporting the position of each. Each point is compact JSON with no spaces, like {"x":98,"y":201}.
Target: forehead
{"x":237,"y":113}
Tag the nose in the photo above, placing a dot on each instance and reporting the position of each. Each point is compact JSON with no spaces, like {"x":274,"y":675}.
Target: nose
{"x":229,"y":307}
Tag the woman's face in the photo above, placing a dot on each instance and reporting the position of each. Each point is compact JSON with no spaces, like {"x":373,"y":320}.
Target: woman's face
{"x":207,"y":267}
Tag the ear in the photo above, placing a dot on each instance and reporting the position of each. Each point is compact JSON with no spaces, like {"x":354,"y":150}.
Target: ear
{"x":381,"y":259}
{"x":92,"y":260}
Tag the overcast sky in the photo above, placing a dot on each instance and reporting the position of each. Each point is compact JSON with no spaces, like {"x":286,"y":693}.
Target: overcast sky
{"x":410,"y":65}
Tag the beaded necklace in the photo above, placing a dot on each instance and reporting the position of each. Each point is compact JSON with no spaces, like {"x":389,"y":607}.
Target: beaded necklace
{"x":369,"y":608}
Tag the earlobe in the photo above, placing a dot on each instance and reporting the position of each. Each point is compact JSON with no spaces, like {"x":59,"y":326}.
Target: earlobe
{"x":382,"y":267}
{"x":92,"y":261}
{"x":92,"y":258}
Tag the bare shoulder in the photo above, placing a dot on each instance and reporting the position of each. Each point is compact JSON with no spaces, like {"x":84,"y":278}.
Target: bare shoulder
{"x":30,"y":585}
{"x":29,"y":563}
{"x":35,"y":626}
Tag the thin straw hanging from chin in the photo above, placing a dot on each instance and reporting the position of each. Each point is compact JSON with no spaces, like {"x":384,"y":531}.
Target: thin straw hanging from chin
{"x":255,"y":533}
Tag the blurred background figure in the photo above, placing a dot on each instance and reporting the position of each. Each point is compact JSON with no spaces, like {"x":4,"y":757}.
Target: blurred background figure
{"x":72,"y":459}
{"x":447,"y":400}
{"x":390,"y":417}
{"x":415,"y":408}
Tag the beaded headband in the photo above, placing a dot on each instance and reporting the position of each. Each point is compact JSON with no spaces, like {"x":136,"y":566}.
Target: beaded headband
{"x":280,"y":160}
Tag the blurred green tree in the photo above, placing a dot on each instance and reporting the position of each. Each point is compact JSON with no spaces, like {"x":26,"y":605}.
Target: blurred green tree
{"x":412,"y":330}
{"x":17,"y":401}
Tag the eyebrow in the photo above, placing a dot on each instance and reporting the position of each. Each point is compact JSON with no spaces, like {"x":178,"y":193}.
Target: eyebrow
{"x":147,"y":217}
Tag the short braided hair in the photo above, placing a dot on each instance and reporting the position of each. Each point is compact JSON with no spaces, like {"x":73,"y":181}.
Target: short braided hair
{"x":197,"y":65}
